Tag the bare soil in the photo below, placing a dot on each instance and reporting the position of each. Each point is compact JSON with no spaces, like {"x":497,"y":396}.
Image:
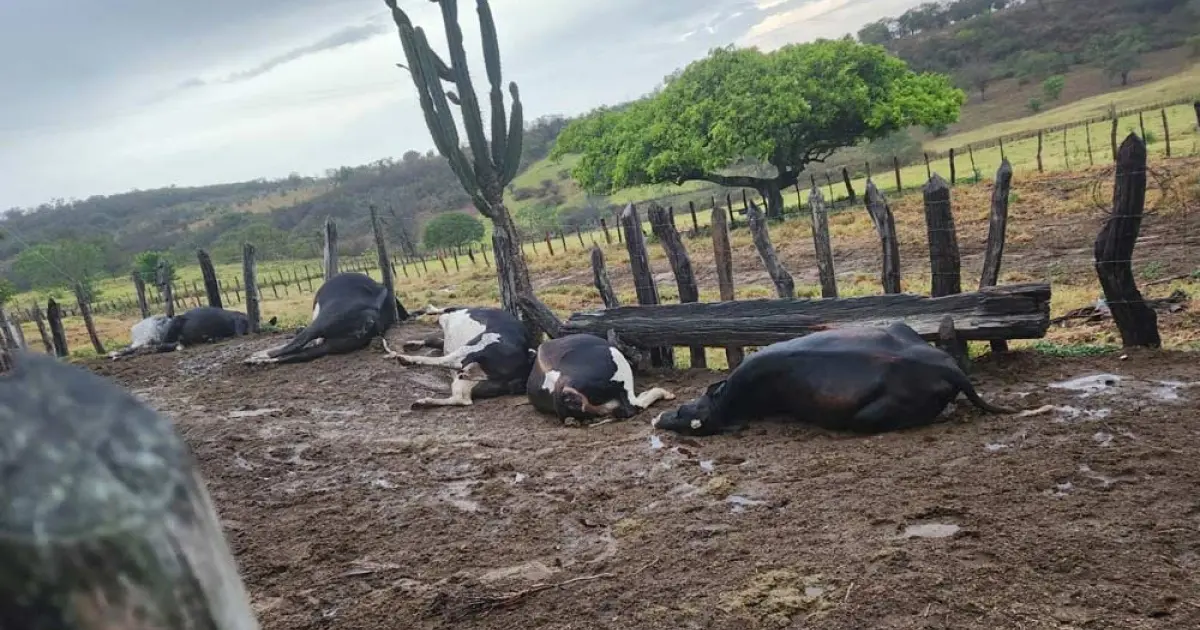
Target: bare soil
{"x":347,"y":510}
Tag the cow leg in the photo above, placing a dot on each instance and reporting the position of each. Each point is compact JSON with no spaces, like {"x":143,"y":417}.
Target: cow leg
{"x":652,"y":396}
{"x":437,"y":342}
{"x":452,"y":361}
{"x":460,"y":391}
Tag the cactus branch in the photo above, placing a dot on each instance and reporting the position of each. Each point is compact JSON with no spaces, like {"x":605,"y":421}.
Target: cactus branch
{"x":516,"y":133}
{"x":472,"y":121}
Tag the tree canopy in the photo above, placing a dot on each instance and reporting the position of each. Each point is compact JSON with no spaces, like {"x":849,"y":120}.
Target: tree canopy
{"x":453,"y":229}
{"x":786,"y":109}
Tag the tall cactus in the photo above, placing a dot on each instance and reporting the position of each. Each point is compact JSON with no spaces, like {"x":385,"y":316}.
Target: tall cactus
{"x":491,"y":165}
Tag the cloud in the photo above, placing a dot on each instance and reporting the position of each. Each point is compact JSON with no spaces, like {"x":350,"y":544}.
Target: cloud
{"x":150,"y":93}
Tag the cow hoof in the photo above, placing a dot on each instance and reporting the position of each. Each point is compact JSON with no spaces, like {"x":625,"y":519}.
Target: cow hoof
{"x":413,"y":345}
{"x":570,"y":422}
{"x":422,"y":403}
{"x":668,"y":395}
{"x":258,"y":358}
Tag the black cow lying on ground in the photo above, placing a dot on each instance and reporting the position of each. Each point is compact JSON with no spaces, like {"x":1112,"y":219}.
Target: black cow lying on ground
{"x":490,"y":348}
{"x":584,"y":377}
{"x":205,"y":324}
{"x":348,"y":312}
{"x":860,"y":380}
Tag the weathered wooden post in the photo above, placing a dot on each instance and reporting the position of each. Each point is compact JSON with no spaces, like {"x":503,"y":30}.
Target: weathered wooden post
{"x":1039,"y":153}
{"x":549,"y":244}
{"x":250,"y":277}
{"x":85,"y":311}
{"x":578,"y":234}
{"x":681,"y":265}
{"x":732,"y":218}
{"x":1142,"y":126}
{"x":607,"y":236}
{"x":442,"y":260}
{"x":139,"y":288}
{"x":723,"y":259}
{"x":1196,"y":106}
{"x":1066,"y":154}
{"x":1113,"y":136}
{"x":695,"y":222}
{"x":1002,"y":154}
{"x":821,"y":244}
{"x":8,"y":339}
{"x":38,"y":320}
{"x":896,"y":166}
{"x":643,"y":277}
{"x":1166,"y":132}
{"x":944,"y":261}
{"x":849,"y":186}
{"x":211,"y":288}
{"x":885,"y":226}
{"x":997,"y":230}
{"x":330,"y":253}
{"x":928,"y":169}
{"x":107,"y":524}
{"x":164,"y":287}
{"x":953,"y":169}
{"x":1091,"y":156}
{"x":385,"y":267}
{"x":1114,"y":249}
{"x":784,"y":285}
{"x":58,"y":334}
{"x":601,"y":281}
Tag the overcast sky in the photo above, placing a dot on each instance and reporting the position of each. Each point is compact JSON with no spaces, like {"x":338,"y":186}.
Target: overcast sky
{"x":106,"y":96}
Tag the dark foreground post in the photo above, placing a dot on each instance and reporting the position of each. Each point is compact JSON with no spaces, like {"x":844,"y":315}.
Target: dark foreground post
{"x":250,"y":277}
{"x":106,"y":523}
{"x":212,"y":288}
{"x":1114,"y":249}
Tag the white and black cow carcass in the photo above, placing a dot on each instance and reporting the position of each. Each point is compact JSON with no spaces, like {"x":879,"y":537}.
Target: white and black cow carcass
{"x":491,"y":350}
{"x":858,"y":379}
{"x":205,"y":324}
{"x":583,"y":377}
{"x":348,"y":312}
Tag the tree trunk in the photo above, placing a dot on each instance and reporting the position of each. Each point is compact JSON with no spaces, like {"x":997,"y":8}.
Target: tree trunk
{"x":771,"y":191}
{"x":511,"y":271}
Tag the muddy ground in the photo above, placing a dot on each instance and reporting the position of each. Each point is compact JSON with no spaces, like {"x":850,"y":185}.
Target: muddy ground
{"x":347,"y":510}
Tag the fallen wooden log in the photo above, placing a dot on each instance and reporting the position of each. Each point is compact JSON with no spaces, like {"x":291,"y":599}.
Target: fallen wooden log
{"x":1018,"y":311}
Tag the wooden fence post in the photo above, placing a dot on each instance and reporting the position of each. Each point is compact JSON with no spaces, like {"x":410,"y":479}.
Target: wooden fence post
{"x":1114,"y":249}
{"x":1166,"y":132}
{"x":549,"y":244}
{"x":563,"y":239}
{"x":164,"y":287}
{"x":885,"y":226}
{"x":250,"y":278}
{"x":1039,"y":153}
{"x":85,"y":310}
{"x":928,"y":169}
{"x":385,"y":267}
{"x":953,"y":169}
{"x":784,"y":285}
{"x":1091,"y":157}
{"x":1142,"y":126}
{"x":723,"y":258}
{"x":732,"y":218}
{"x":821,"y":244}
{"x":330,"y":253}
{"x":139,"y":288}
{"x":84,"y":545}
{"x":57,"y":334}
{"x":896,"y":165}
{"x":1113,"y":137}
{"x":607,"y":236}
{"x":211,"y":288}
{"x":1196,"y":106}
{"x":47,"y":343}
{"x":997,"y":230}
{"x":849,"y":186}
{"x":695,"y":222}
{"x":578,"y":235}
{"x":8,"y":340}
{"x":943,"y":240}
{"x":643,"y":277}
{"x":1066,"y":154}
{"x":681,"y":265}
{"x":601,"y":281}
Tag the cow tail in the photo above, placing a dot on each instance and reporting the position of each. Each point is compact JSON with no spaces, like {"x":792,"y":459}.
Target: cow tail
{"x":960,"y":380}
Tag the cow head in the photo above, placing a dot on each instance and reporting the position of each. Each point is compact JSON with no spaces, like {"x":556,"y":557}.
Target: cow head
{"x":694,"y":417}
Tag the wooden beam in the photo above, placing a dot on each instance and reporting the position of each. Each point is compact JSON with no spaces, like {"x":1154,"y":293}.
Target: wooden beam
{"x":1020,"y":311}
{"x":540,"y":315}
{"x":107,"y":521}
{"x":1114,"y":249}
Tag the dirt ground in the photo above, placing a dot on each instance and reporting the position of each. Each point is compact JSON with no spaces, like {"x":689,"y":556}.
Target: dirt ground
{"x":347,"y":510}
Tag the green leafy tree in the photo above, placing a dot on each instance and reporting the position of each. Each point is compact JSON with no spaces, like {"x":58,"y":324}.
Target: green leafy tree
{"x":787,"y":109}
{"x":61,"y":264}
{"x":1119,"y":55}
{"x":1053,"y":87}
{"x":976,"y":76}
{"x":146,"y":266}
{"x":1035,"y":105}
{"x":7,"y":291}
{"x":453,"y":229}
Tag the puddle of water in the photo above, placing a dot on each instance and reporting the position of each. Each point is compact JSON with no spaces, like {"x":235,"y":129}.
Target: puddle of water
{"x":1095,"y":476}
{"x":707,"y":465}
{"x":1089,"y":385}
{"x":813,"y":592}
{"x":383,"y":483}
{"x":1168,"y":391}
{"x":740,"y":503}
{"x":455,"y":494}
{"x":930,"y":530}
{"x":1105,"y":439}
{"x":995,"y":447}
{"x":1061,"y":490}
{"x":519,"y":478}
{"x":253,"y":413}
{"x":656,"y":443}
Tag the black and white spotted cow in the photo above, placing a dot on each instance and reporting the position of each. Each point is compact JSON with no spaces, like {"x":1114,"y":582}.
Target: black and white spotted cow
{"x":348,"y":312}
{"x":491,"y":350}
{"x":205,"y":324}
{"x":584,"y":377}
{"x":859,"y":380}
